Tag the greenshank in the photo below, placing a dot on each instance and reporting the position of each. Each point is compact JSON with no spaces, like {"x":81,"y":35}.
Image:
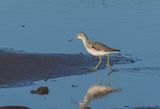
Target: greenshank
{"x":96,"y":49}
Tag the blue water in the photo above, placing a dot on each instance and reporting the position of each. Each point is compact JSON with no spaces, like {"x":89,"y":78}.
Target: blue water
{"x":131,"y":26}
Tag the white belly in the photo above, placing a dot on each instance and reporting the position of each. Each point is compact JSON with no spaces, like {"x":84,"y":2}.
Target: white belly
{"x":97,"y":53}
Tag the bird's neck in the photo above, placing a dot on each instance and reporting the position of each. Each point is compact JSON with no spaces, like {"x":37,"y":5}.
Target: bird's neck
{"x":86,"y":42}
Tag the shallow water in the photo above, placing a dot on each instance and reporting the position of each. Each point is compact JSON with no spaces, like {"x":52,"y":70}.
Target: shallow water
{"x":45,"y":27}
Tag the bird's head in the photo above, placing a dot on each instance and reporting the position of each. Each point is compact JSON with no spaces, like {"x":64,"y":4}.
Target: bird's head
{"x":81,"y":36}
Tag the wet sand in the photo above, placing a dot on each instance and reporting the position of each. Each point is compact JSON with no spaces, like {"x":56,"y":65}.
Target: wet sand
{"x":14,"y":107}
{"x":23,"y":68}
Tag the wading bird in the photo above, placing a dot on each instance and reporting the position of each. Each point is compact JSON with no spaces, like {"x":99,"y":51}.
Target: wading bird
{"x":96,"y":49}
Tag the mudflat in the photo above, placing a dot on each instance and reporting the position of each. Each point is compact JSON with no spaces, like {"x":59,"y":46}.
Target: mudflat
{"x":21,"y":67}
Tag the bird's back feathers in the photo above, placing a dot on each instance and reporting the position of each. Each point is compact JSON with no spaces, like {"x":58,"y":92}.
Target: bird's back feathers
{"x":101,"y":47}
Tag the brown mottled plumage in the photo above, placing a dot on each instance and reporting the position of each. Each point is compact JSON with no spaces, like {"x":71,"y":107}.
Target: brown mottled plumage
{"x":101,"y":47}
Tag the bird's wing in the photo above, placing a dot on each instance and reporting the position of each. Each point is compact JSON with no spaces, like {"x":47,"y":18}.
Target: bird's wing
{"x":101,"y":47}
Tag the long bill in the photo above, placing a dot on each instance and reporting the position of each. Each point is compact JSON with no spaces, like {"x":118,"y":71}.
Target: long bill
{"x":70,"y":40}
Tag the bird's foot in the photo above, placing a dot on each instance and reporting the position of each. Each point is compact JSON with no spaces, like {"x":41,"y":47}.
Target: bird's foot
{"x":92,"y":69}
{"x":110,"y":72}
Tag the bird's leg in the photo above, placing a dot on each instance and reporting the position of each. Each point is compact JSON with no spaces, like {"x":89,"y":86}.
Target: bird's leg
{"x":110,"y":72}
{"x":108,"y":59}
{"x":108,"y":62}
{"x":109,"y":77}
{"x":95,"y":68}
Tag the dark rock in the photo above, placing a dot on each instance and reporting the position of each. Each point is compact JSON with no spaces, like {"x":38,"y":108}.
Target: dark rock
{"x":73,"y":86}
{"x":125,"y":106}
{"x":41,"y":91}
{"x":23,"y":26}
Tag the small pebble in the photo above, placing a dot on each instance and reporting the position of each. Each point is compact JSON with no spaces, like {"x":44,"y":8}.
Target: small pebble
{"x":40,"y":91}
{"x":74,"y":85}
{"x":23,"y":26}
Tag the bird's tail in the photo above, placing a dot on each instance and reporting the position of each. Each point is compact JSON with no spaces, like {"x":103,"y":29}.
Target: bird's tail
{"x":116,"y":50}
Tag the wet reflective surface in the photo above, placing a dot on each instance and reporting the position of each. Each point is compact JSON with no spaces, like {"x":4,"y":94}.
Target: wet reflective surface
{"x":46,"y":26}
{"x":23,"y":68}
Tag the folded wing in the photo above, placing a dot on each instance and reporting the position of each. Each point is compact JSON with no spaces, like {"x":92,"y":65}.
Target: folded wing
{"x":101,"y":47}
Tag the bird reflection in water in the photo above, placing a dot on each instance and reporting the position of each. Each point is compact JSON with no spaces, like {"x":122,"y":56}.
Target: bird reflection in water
{"x":94,"y":92}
